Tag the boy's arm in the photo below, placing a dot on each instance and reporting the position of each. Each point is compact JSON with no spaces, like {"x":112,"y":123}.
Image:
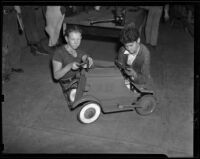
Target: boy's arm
{"x":120,"y":56}
{"x":145,"y":75}
{"x":58,"y":71}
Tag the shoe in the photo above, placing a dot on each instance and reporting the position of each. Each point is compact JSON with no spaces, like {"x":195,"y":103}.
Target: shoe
{"x":33,"y":50}
{"x":42,"y":51}
{"x":18,"y":70}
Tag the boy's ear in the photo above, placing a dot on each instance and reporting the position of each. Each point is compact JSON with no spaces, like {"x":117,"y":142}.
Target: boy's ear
{"x":138,"y":40}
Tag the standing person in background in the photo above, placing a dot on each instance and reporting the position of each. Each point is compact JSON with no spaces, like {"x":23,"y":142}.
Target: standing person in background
{"x":54,"y":20}
{"x":5,"y":71}
{"x":152,"y":24}
{"x":30,"y":27}
{"x":11,"y":41}
{"x":166,"y":12}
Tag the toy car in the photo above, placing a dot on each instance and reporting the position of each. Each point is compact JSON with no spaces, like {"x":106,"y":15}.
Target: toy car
{"x":103,"y":90}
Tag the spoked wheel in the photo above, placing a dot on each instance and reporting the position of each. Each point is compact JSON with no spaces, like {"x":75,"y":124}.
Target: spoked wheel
{"x":89,"y":113}
{"x":147,"y":105}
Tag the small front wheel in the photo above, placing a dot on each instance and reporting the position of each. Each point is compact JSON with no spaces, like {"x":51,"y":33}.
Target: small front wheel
{"x":147,"y":105}
{"x":89,"y":113}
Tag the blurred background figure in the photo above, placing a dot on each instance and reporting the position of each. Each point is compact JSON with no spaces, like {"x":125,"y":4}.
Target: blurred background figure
{"x":54,"y":20}
{"x":97,"y":8}
{"x":152,"y":24}
{"x":30,"y":27}
{"x":12,"y":41}
{"x":166,"y":12}
{"x":5,"y":72}
{"x":30,"y":24}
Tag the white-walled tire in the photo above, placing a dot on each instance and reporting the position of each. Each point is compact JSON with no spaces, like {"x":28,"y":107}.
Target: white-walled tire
{"x":89,"y":113}
{"x":72,"y":94}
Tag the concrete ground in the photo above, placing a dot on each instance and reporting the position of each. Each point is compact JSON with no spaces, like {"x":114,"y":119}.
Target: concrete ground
{"x":36,"y":119}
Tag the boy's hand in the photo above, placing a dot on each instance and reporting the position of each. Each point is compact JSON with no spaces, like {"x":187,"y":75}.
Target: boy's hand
{"x":90,"y":61}
{"x":85,"y":57}
{"x":131,"y":72}
{"x":74,"y":65}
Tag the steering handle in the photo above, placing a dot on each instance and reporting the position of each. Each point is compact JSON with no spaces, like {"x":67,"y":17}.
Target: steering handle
{"x":123,"y":69}
{"x":120,"y":65}
{"x":83,"y":63}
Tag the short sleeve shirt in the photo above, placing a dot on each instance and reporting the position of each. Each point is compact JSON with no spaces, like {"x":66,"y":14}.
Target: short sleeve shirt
{"x":63,"y":56}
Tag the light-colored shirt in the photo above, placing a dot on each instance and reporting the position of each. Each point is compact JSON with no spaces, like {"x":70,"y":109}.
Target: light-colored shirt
{"x":131,"y":57}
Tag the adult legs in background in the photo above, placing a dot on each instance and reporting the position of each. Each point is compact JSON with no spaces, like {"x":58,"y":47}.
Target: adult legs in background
{"x":148,"y":27}
{"x":155,"y":27}
{"x":12,"y":44}
{"x":40,"y":19}
{"x":54,"y":21}
{"x":152,"y":25}
{"x":30,"y":27}
{"x":14,"y":53}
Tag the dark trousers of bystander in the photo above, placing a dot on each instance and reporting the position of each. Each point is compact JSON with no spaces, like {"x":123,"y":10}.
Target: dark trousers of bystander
{"x":12,"y":40}
{"x":30,"y":27}
{"x":152,"y":24}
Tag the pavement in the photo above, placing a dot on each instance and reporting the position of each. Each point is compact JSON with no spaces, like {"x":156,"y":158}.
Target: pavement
{"x":36,"y":118}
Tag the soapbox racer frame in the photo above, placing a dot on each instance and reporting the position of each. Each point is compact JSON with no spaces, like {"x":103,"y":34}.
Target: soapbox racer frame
{"x":94,"y":90}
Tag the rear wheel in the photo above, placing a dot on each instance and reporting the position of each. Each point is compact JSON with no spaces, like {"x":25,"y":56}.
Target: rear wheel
{"x":89,"y":113}
{"x":147,"y":105}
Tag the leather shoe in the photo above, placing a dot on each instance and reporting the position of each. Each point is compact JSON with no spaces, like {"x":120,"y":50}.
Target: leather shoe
{"x":18,"y":70}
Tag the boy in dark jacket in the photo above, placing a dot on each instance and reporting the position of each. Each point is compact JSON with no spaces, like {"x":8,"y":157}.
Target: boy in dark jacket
{"x":134,"y":56}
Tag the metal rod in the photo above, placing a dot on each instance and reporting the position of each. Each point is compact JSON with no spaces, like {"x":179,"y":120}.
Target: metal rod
{"x":117,"y":111}
{"x":102,"y":21}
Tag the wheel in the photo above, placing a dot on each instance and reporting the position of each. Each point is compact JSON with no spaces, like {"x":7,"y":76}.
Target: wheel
{"x":89,"y":113}
{"x":146,"y":104}
{"x":72,"y":94}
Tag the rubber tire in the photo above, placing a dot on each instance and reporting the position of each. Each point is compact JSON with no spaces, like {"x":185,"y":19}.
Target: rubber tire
{"x":147,"y":105}
{"x":89,"y":106}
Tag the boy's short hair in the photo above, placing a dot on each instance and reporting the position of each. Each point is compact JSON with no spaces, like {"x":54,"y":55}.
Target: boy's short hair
{"x":129,"y":33}
{"x":72,"y":28}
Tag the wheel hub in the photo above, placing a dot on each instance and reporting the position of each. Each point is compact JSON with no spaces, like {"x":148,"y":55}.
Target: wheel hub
{"x":89,"y":113}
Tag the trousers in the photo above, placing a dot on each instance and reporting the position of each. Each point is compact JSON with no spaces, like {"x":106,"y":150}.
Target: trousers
{"x":152,"y":24}
{"x":12,"y":42}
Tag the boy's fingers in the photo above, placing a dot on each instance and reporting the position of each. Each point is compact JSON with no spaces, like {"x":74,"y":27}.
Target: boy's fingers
{"x":90,"y":62}
{"x":85,"y":66}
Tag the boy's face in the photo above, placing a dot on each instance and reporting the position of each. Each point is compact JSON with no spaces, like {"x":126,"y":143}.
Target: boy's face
{"x":74,"y":39}
{"x":132,"y":47}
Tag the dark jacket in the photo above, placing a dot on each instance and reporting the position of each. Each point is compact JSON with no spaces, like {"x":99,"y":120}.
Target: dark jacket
{"x":141,"y":64}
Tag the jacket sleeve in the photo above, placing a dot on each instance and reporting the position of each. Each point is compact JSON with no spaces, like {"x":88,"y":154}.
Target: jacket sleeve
{"x":120,"y":56}
{"x":144,"y":76}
